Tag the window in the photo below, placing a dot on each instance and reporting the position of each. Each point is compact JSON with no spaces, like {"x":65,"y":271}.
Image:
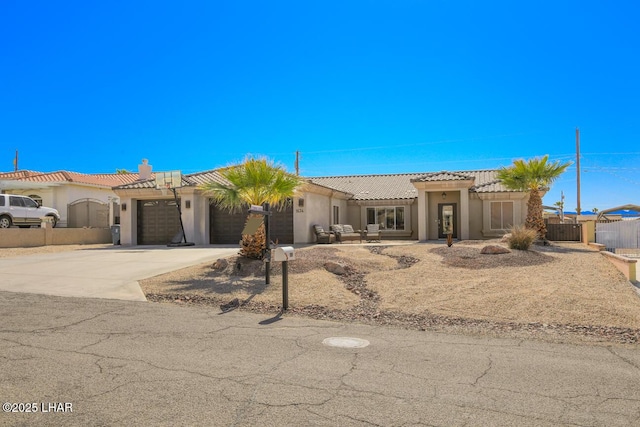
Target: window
{"x":501,"y":215}
{"x":336,"y":215}
{"x":30,"y":203}
{"x":1,"y":200}
{"x":16,"y":201}
{"x":388,"y":218}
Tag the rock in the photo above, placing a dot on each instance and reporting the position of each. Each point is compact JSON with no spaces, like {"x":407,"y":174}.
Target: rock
{"x":220,"y":264}
{"x":234,"y":303}
{"x":505,"y":238}
{"x":494,"y":249}
{"x":338,"y":268}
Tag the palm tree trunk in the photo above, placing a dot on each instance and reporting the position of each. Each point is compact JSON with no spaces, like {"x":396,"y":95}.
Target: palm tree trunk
{"x":253,"y":245}
{"x":535,"y":220}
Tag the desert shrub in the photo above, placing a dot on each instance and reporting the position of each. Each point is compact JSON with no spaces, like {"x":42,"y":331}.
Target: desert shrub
{"x":521,"y":237}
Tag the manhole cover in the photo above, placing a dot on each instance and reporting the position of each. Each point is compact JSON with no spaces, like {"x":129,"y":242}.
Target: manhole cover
{"x":345,"y":342}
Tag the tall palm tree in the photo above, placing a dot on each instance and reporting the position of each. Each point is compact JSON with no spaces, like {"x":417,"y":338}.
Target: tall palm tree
{"x":255,"y":181}
{"x":534,"y":176}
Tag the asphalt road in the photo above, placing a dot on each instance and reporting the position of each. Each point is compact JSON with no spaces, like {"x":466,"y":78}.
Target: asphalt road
{"x":136,"y":363}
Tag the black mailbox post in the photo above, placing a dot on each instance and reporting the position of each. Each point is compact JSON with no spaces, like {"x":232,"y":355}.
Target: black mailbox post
{"x":264,"y":210}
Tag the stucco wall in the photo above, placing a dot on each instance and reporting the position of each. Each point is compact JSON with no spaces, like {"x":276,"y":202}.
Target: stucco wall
{"x":475,"y":218}
{"x":316,"y":210}
{"x":354,"y":216}
{"x":31,"y":237}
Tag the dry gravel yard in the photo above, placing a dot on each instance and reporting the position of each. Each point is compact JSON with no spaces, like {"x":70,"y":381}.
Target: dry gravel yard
{"x":562,"y":293}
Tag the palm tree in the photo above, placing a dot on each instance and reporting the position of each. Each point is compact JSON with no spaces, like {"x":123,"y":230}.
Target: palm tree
{"x":560,"y":206}
{"x":255,"y":181}
{"x":534,"y":176}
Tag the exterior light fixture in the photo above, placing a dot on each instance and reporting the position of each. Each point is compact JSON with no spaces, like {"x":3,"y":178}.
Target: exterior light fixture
{"x":123,"y":207}
{"x":444,"y":195}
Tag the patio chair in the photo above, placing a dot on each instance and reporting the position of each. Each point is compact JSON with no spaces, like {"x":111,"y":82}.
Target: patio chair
{"x":323,"y":236}
{"x":372,"y":233}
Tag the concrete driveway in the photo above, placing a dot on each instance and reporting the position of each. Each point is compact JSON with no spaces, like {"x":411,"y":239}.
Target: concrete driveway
{"x":111,"y":272}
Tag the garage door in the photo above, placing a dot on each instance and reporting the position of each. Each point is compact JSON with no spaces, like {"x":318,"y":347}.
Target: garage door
{"x":158,"y":221}
{"x":226,"y":228}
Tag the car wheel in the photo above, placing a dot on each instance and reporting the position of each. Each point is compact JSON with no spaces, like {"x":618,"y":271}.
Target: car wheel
{"x":54,"y":221}
{"x":5,"y":222}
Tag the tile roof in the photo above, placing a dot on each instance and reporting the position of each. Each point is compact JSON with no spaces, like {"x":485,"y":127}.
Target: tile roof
{"x":372,"y":187}
{"x":362,"y":187}
{"x":443,"y":176}
{"x":399,"y":186}
{"x":188,"y":180}
{"x":104,"y":180}
{"x":207,"y":176}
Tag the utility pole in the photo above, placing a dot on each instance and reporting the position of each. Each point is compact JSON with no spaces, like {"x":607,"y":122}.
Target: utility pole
{"x":562,"y":207}
{"x":15,"y":162}
{"x":578,"y":166}
{"x":297,"y":164}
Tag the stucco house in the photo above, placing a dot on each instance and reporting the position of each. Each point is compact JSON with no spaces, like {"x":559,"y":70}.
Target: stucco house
{"x":83,"y":200}
{"x":415,"y":206}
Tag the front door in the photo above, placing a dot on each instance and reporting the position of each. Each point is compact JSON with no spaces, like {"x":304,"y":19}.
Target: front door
{"x":447,"y":218}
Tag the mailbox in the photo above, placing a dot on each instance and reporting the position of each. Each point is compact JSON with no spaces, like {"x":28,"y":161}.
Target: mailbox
{"x":284,"y":253}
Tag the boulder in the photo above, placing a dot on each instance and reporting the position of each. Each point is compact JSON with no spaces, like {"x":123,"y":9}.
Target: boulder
{"x":220,"y":264}
{"x":494,"y":250}
{"x":505,"y":238}
{"x":338,"y":268}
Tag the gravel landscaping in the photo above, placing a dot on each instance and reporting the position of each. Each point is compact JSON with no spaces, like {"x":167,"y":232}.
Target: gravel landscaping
{"x":560,"y":293}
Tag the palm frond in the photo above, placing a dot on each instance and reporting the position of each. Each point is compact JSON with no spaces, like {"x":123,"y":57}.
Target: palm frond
{"x":255,"y":181}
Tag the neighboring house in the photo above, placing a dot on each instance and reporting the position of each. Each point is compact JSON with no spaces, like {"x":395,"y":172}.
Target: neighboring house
{"x":83,"y":200}
{"x":417,"y":206}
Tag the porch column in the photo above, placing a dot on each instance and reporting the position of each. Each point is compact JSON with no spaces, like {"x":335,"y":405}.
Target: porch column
{"x":464,"y":214}
{"x":423,"y":220}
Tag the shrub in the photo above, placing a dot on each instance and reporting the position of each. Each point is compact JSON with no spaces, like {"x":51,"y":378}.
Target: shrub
{"x":521,"y":237}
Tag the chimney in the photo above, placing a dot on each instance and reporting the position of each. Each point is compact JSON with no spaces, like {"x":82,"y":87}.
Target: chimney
{"x":144,"y":170}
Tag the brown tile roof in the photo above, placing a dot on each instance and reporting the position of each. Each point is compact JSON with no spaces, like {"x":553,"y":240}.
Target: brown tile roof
{"x":399,"y":186}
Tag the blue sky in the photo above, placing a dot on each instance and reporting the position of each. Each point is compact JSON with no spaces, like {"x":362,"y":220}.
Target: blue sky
{"x":358,"y":87}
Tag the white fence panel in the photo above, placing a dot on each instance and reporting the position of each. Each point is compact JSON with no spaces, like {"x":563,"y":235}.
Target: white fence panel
{"x":620,"y":234}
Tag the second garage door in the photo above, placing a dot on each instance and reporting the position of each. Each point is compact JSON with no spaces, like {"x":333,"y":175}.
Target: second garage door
{"x":158,"y":221}
{"x":226,"y":228}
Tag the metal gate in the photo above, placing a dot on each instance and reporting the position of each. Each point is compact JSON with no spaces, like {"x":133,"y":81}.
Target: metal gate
{"x":226,"y":227}
{"x":618,"y":235}
{"x":88,"y":213}
{"x":158,"y":221}
{"x":564,"y":232}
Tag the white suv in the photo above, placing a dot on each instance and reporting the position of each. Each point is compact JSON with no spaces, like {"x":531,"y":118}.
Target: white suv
{"x":23,"y":211}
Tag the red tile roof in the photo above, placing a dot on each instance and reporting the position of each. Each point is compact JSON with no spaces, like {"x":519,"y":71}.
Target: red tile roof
{"x":103,"y":180}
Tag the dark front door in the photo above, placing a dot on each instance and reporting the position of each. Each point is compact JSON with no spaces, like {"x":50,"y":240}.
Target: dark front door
{"x":447,"y":220}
